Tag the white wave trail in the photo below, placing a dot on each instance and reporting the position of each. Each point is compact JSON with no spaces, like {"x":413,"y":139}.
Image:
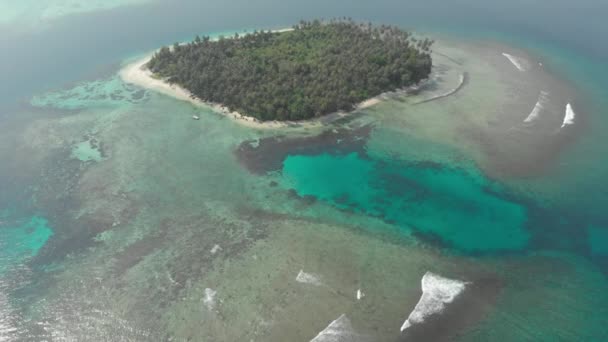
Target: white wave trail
{"x":569,"y":117}
{"x":519,"y":63}
{"x":209,"y":299}
{"x":340,"y":330}
{"x":308,"y":278}
{"x":437,"y":292}
{"x":543,"y":98}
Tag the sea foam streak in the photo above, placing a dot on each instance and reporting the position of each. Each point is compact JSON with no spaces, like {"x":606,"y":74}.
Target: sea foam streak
{"x":340,"y":330}
{"x":569,"y":117}
{"x":437,"y":292}
{"x":462,"y":78}
{"x":519,"y":63}
{"x":543,"y":98}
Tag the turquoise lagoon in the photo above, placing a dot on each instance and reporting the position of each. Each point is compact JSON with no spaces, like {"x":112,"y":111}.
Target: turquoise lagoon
{"x":457,"y":207}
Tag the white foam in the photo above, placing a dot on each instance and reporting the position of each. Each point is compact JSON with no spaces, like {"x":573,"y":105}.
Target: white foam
{"x":209,"y":299}
{"x":216,"y":249}
{"x":543,"y":98}
{"x":340,"y":330}
{"x":518,"y":62}
{"x":569,"y":117}
{"x":461,"y":80}
{"x":360,"y":294}
{"x":437,"y":292}
{"x":309,"y":278}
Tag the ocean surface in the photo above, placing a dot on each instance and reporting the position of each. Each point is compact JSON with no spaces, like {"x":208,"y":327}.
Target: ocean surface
{"x":123,"y":219}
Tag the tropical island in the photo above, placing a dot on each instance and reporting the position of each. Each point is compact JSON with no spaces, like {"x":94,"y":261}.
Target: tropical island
{"x":309,"y":71}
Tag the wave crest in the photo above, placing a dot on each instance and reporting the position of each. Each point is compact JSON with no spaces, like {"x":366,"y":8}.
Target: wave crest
{"x":569,"y":117}
{"x":340,"y":330}
{"x":209,"y":299}
{"x":520,"y":63}
{"x":308,"y":278}
{"x":543,"y":98}
{"x":437,"y":292}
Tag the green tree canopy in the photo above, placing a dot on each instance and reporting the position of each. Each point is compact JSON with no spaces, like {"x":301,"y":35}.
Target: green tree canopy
{"x":315,"y":69}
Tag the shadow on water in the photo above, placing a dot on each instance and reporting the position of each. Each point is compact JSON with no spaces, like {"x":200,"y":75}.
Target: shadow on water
{"x":268,"y":154}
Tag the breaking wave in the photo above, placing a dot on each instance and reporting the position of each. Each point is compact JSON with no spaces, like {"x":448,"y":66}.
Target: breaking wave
{"x":308,"y":278}
{"x":519,"y":63}
{"x":461,"y":80}
{"x":340,"y":330}
{"x":543,"y":98}
{"x":569,"y":117}
{"x":209,"y":299}
{"x":437,"y":292}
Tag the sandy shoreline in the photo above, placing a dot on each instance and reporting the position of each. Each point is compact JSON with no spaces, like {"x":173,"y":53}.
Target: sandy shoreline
{"x":138,"y":74}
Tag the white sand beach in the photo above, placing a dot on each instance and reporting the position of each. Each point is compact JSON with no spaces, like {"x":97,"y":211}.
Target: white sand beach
{"x":138,"y":74}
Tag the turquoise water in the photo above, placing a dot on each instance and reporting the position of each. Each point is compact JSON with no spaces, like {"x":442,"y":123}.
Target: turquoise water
{"x":598,"y":240}
{"x":461,"y":209}
{"x":21,"y":240}
{"x":138,"y":195}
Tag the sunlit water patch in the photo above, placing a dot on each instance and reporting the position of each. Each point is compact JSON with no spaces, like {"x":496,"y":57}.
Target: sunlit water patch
{"x":453,"y":206}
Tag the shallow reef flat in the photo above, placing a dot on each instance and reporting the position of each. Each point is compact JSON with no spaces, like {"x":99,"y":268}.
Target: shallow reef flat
{"x":164,"y":227}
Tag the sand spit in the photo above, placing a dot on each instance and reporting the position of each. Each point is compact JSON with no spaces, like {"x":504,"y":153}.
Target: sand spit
{"x":138,"y":74}
{"x":437,"y":293}
{"x":518,"y":62}
{"x":569,"y":117}
{"x":543,"y":98}
{"x":462,"y":80}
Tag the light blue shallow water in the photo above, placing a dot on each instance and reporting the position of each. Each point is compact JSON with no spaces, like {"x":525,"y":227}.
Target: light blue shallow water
{"x":457,"y":207}
{"x":21,"y":242}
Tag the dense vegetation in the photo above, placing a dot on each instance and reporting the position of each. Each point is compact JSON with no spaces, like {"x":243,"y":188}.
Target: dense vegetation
{"x":315,"y":69}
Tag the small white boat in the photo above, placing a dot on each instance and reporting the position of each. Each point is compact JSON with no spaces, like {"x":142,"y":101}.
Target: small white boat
{"x":196,"y":117}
